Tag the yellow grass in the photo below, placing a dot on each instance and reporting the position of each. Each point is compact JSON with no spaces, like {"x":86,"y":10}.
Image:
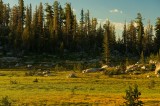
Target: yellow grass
{"x":88,"y":89}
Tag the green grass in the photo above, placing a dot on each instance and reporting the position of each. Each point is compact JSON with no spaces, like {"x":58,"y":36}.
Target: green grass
{"x":88,"y":89}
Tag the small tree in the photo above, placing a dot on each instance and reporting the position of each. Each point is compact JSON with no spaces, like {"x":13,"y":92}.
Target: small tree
{"x":132,"y":97}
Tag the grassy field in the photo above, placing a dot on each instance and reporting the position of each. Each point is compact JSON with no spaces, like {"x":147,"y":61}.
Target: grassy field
{"x":93,"y":89}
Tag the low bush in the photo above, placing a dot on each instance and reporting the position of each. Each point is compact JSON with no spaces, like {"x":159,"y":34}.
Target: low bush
{"x":151,"y":84}
{"x":113,"y":71}
{"x":30,"y":73}
{"x":13,"y":82}
{"x":35,"y":80}
{"x":158,"y":72}
{"x":132,"y":97}
{"x":5,"y":101}
{"x":152,"y":67}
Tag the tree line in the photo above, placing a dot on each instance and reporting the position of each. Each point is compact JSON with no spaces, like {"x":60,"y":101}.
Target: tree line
{"x":55,"y":30}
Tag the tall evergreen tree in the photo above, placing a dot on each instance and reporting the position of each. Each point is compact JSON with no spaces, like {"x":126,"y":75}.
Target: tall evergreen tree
{"x":21,"y":13}
{"x":131,"y":34}
{"x":124,"y":35}
{"x":49,"y":27}
{"x":157,"y":38}
{"x":49,"y":16}
{"x":27,"y":31}
{"x":82,"y":21}
{"x":148,"y":39}
{"x":69,"y":26}
{"x":56,"y":19}
{"x":13,"y":27}
{"x":99,"y":38}
{"x":35,"y":33}
{"x":1,"y":13}
{"x":40,"y":26}
{"x":140,"y":32}
{"x":61,"y":20}
{"x":106,"y":43}
{"x":20,"y":27}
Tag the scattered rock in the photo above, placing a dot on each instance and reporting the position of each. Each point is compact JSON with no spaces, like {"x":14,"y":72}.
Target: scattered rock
{"x":105,"y":66}
{"x":72,"y":75}
{"x":143,"y":67}
{"x":152,"y":62}
{"x":157,"y":70}
{"x":17,"y":65}
{"x":148,"y":76}
{"x":91,"y":70}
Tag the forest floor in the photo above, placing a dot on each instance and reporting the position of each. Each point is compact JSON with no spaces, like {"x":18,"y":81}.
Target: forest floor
{"x":89,"y":89}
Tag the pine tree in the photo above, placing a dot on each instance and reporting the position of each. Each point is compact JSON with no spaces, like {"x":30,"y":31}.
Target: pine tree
{"x":132,"y":97}
{"x":131,"y":43}
{"x":6,"y":15}
{"x":49,"y":27}
{"x":106,"y":43}
{"x":20,"y":27}
{"x":49,"y":17}
{"x":82,"y":21}
{"x":2,"y":40}
{"x":21,"y":13}
{"x":61,"y":21}
{"x":140,"y":31}
{"x":157,"y":38}
{"x":56,"y":19}
{"x":113,"y":37}
{"x":1,"y":13}
{"x":148,"y":39}
{"x":35,"y":36}
{"x":87,"y":23}
{"x":125,"y":37}
{"x":69,"y":26}
{"x":27,"y":30}
{"x":99,"y":38}
{"x":74,"y":26}
{"x":13,"y":25}
{"x":40,"y":25}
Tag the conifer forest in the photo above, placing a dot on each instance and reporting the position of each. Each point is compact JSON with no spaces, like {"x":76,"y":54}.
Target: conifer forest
{"x":55,"y":30}
{"x":79,"y":53}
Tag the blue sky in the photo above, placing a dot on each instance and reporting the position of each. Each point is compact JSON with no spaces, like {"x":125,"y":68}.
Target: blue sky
{"x":115,"y":10}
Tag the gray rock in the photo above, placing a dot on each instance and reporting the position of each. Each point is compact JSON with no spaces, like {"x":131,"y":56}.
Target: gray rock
{"x":72,"y":75}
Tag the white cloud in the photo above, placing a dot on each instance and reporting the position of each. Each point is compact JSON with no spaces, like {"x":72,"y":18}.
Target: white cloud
{"x":118,"y":25}
{"x":116,"y":11}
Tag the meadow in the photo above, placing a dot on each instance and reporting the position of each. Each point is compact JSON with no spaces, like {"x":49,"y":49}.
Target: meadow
{"x":89,"y":89}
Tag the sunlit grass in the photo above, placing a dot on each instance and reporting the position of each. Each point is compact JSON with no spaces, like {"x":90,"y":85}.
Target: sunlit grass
{"x":92,"y":88}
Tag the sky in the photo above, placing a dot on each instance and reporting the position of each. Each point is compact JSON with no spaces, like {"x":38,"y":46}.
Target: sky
{"x":117,"y":11}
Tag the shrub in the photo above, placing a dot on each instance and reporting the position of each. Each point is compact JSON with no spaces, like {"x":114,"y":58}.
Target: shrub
{"x":158,"y":72}
{"x":113,"y":71}
{"x":151,"y":84}
{"x":56,"y":68}
{"x":13,"y":82}
{"x":72,"y":75}
{"x":5,"y":101}
{"x":152,"y":67}
{"x":132,"y":97}
{"x":79,"y":67}
{"x":30,"y":73}
{"x":35,"y":80}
